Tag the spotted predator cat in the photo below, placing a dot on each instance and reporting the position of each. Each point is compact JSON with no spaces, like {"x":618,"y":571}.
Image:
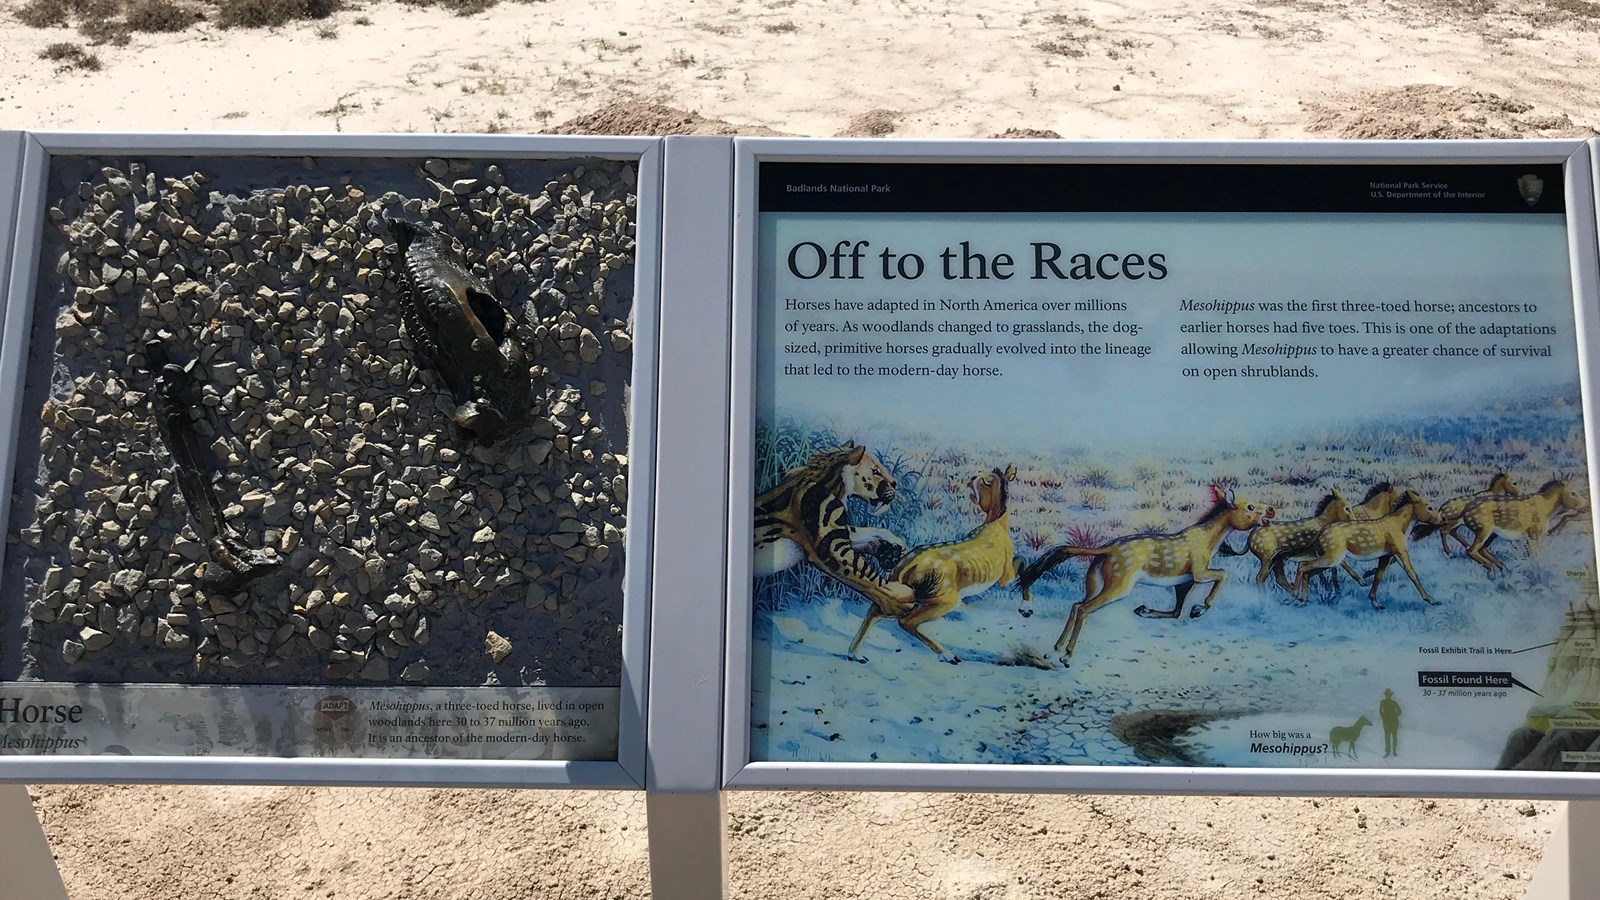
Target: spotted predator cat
{"x":807,"y":517}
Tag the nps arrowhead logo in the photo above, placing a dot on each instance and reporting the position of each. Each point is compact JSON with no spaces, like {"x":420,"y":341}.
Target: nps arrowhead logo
{"x":1531,"y":187}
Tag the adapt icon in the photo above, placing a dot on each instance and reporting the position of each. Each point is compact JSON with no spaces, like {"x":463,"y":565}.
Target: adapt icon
{"x":333,"y":724}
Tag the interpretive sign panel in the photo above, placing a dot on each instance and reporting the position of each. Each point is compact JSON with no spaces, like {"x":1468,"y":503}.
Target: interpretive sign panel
{"x":331,"y":448}
{"x":1131,"y":461}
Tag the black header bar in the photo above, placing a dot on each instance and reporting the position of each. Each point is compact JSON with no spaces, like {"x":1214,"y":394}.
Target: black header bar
{"x":1161,"y":187}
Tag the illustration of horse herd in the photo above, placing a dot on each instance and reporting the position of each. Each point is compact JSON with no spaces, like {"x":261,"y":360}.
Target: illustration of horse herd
{"x":806,"y":518}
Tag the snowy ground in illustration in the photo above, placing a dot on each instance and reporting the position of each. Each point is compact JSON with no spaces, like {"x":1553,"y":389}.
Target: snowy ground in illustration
{"x":1211,"y":690}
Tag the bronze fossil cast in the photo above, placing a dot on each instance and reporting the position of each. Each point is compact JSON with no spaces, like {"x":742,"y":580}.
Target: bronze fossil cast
{"x":455,"y":321}
{"x":232,"y":566}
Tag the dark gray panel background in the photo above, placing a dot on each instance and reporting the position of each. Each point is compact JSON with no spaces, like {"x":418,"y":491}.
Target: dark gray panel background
{"x":537,"y":231}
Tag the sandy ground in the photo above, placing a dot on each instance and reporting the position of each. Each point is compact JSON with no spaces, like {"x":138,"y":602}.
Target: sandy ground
{"x":920,"y":68}
{"x":152,"y":843}
{"x":915,"y":68}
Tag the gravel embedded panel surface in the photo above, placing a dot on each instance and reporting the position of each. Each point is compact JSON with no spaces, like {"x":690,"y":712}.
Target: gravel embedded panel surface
{"x":410,"y":554}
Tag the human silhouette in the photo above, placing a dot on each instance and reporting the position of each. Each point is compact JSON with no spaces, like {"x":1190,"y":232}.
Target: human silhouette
{"x":1389,"y":712}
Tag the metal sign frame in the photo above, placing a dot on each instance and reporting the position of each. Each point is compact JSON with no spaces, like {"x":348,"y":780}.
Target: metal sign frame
{"x":739,"y":771}
{"x":11,"y":145}
{"x":628,"y":771}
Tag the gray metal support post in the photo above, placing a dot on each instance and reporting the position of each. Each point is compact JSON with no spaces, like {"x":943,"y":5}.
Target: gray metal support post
{"x":1570,"y":869}
{"x":688,"y":845}
{"x":28,"y":867}
{"x":687,"y":821}
{"x":25,"y":858}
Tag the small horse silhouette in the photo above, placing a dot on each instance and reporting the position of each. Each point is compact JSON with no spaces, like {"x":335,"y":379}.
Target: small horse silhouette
{"x":1347,"y":735}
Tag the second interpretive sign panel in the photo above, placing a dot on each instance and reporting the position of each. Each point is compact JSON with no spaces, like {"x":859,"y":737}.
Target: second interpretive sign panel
{"x":1166,"y":463}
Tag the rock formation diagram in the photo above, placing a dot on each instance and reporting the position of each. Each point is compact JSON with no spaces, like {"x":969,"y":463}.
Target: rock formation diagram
{"x":1563,"y":730}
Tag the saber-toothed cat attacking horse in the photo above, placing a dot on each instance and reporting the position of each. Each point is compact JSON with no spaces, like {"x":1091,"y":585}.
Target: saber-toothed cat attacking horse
{"x":1179,"y":561}
{"x":806,"y":517}
{"x":942,"y":575}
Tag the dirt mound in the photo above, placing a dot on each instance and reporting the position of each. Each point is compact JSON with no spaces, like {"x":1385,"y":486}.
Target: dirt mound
{"x":874,"y":123}
{"x":1028,"y":134}
{"x":631,"y":117}
{"x":1419,"y":111}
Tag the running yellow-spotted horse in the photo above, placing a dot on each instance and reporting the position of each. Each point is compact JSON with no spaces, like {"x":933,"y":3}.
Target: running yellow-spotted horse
{"x":1179,"y":561}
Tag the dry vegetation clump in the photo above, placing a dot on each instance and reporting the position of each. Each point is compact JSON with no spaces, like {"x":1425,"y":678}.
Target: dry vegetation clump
{"x":70,"y":56}
{"x":1036,"y":539}
{"x":105,"y":31}
{"x":1490,"y":16}
{"x":1296,"y":476}
{"x":1583,"y":14}
{"x":1072,"y":20}
{"x":1071,"y":46}
{"x":97,"y":20}
{"x":1025,"y":655}
{"x":271,"y":13}
{"x":458,"y":7}
{"x":42,"y":14}
{"x":112,"y":21}
{"x":1086,"y":535}
{"x":157,"y":16}
{"x":1096,"y":477}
